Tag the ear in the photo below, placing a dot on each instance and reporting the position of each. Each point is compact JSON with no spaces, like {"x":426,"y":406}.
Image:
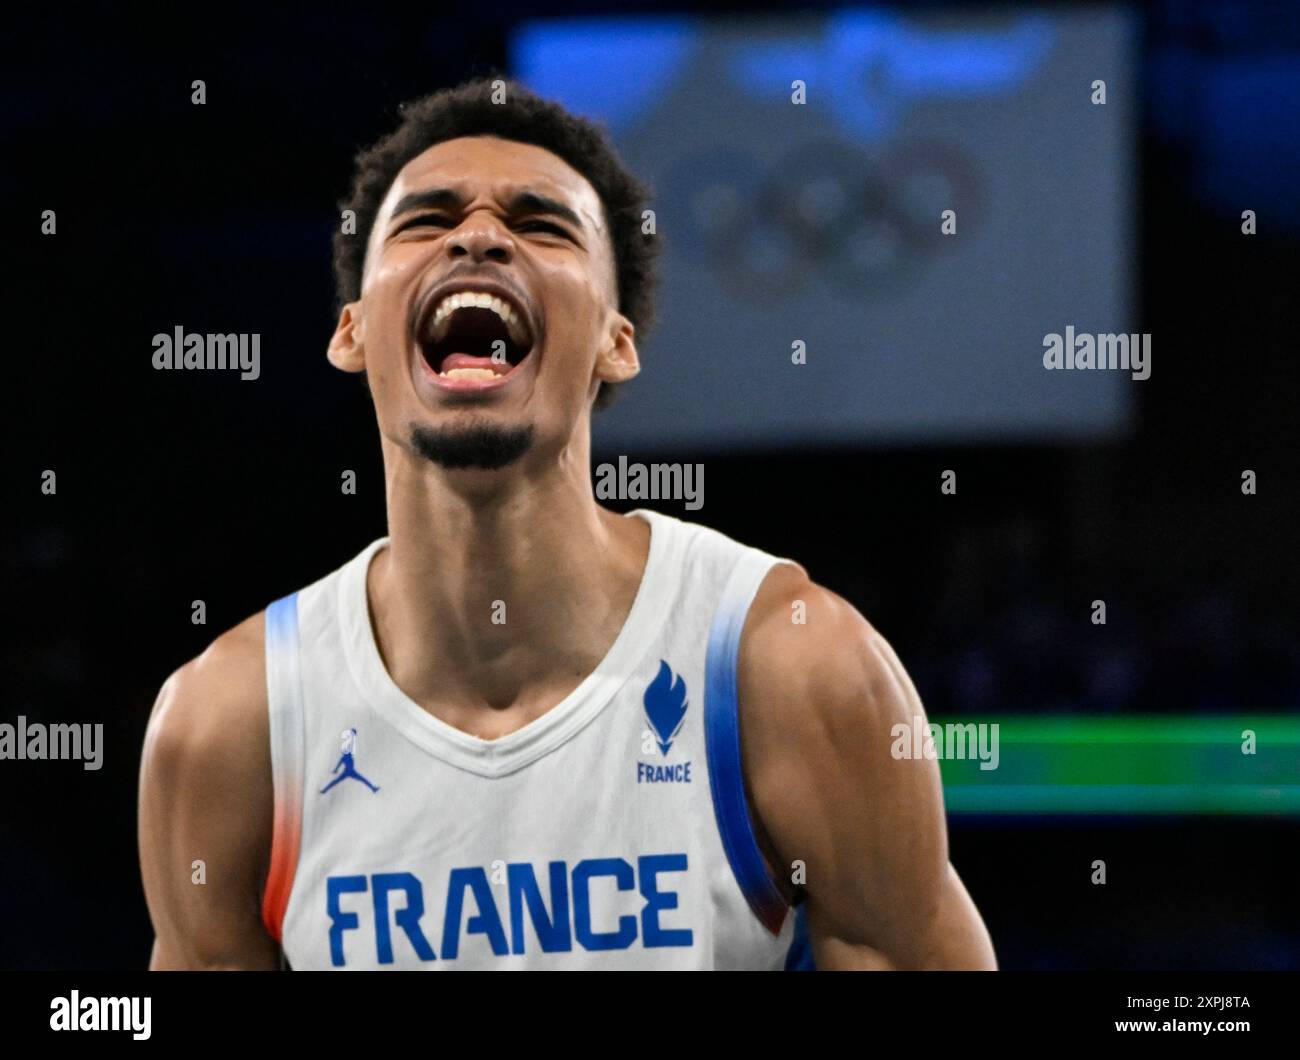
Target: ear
{"x":618,"y":362}
{"x":346,"y":350}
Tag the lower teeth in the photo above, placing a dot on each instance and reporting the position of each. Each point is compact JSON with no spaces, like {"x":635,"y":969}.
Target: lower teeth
{"x":469,"y":373}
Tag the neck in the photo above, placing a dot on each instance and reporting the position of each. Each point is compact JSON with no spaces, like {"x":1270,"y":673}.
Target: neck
{"x":501,"y":590}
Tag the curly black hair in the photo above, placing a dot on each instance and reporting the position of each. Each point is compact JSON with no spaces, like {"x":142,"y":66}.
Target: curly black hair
{"x":468,"y":109}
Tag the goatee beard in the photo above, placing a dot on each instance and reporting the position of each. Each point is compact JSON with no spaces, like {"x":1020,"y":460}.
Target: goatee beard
{"x":477,"y":445}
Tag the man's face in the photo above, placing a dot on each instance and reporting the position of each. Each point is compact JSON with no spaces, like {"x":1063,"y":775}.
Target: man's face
{"x":505,"y":219}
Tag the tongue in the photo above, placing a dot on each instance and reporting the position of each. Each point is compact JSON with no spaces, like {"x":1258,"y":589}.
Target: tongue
{"x":465,"y":360}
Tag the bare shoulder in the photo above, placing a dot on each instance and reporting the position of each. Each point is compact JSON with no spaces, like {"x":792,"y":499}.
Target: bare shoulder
{"x":216,"y":704}
{"x":820,"y":691}
{"x":811,"y":665}
{"x":207,"y":753}
{"x":206,"y":806}
{"x":821,"y":694}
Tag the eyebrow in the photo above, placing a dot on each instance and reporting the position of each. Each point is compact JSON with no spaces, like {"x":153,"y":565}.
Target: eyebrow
{"x":525,"y":202}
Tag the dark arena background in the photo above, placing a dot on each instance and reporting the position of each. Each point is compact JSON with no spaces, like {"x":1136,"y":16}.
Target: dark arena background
{"x":1108,"y":573}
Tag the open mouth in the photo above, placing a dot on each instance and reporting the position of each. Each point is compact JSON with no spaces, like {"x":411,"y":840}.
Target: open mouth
{"x":474,"y":336}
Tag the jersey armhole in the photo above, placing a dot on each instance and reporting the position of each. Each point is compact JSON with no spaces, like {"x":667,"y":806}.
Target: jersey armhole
{"x":722,"y":743}
{"x":285,"y":704}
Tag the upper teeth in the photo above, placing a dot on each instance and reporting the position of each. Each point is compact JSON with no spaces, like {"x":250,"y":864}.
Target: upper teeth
{"x":515,"y":327}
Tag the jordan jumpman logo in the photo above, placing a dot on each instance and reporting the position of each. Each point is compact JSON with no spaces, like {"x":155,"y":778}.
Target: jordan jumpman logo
{"x":347,"y":763}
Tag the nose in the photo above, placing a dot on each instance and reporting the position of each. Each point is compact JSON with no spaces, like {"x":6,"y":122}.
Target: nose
{"x":481,"y":237}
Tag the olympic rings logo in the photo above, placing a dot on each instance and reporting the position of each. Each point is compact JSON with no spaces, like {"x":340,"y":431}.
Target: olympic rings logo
{"x":824,"y":209}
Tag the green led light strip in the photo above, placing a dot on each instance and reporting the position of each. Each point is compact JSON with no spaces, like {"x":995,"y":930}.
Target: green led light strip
{"x":1174,"y":764}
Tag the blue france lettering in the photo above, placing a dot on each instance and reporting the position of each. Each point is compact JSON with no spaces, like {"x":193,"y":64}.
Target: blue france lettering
{"x":655,"y":901}
{"x":552,"y":929}
{"x":398,"y":898}
{"x":679,"y":773}
{"x":488,"y":921}
{"x":335,"y":888}
{"x":408,"y":919}
{"x":582,"y":875}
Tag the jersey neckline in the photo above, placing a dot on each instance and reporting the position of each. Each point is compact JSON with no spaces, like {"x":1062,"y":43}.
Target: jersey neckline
{"x":509,"y":753}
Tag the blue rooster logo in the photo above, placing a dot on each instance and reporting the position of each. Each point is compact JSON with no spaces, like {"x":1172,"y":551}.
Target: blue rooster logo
{"x":665,"y":705}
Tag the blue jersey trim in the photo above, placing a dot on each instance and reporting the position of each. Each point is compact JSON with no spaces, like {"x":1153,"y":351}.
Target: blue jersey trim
{"x":282,"y":621}
{"x":285,"y":718}
{"x":799,"y":957}
{"x":726,"y":780}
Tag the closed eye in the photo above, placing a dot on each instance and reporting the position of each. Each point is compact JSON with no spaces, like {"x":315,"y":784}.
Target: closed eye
{"x":544,"y":225}
{"x":427,"y":219}
{"x":421,"y":220}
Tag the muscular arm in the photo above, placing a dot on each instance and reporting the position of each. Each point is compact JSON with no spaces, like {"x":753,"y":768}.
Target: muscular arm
{"x":818,"y":701}
{"x":206,"y":795}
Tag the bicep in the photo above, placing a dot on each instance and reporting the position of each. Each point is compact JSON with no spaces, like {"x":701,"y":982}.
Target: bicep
{"x":954,"y":939}
{"x":838,"y":792}
{"x":204,"y":833}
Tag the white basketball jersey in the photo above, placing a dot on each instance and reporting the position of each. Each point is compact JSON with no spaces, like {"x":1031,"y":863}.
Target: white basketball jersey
{"x":611,"y":832}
